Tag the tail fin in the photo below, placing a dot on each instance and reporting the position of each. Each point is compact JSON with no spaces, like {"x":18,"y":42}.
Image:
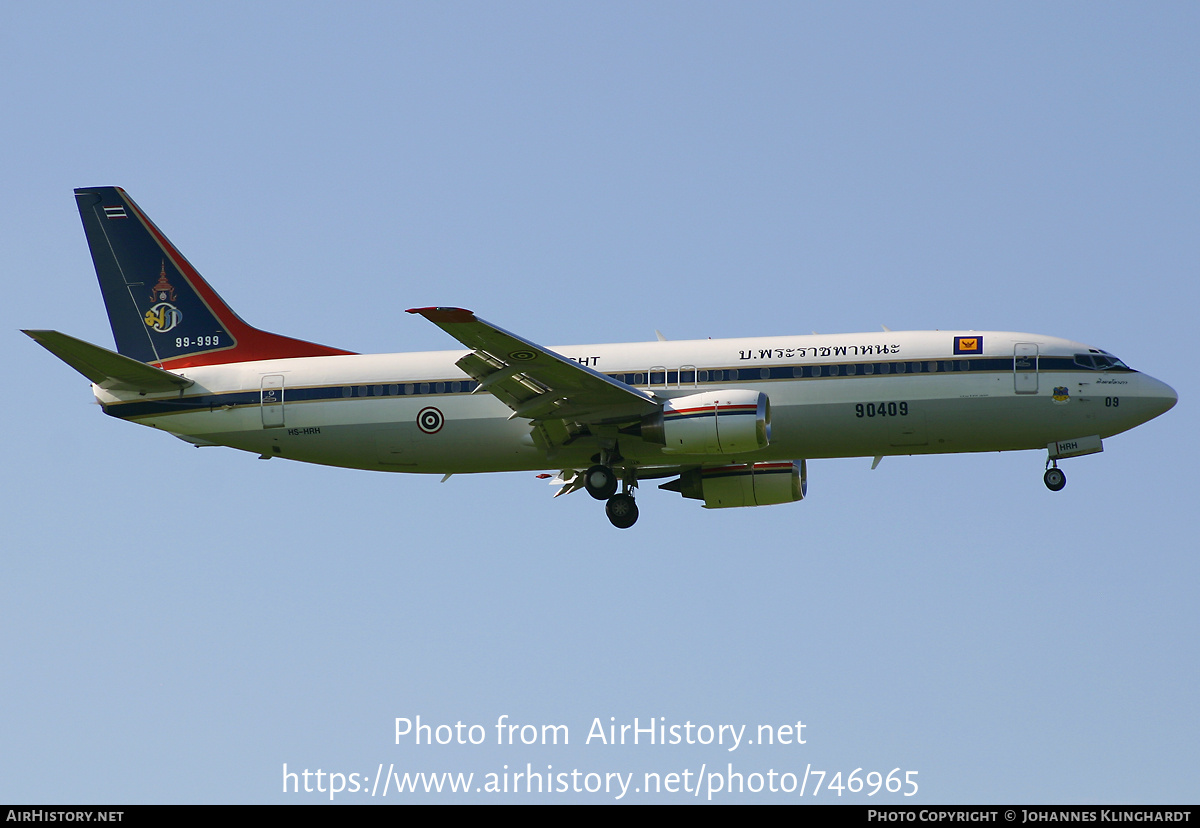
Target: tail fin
{"x":161,"y":311}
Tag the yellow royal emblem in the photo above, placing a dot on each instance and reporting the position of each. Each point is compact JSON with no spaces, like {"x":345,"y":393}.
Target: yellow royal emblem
{"x":163,"y":317}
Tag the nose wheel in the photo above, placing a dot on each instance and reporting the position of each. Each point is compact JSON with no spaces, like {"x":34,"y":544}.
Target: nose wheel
{"x":1055,"y":479}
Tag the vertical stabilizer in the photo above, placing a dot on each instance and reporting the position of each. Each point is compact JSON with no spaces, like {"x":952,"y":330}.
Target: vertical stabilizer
{"x":161,"y":310}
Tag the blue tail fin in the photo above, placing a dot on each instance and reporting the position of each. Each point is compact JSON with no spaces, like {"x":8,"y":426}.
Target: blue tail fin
{"x":161,"y":311}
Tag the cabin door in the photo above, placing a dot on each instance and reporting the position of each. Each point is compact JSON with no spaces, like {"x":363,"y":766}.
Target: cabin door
{"x":272,"y":401}
{"x":1025,"y":368}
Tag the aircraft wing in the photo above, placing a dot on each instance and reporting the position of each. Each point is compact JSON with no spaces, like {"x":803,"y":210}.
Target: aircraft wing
{"x":535,"y":382}
{"x":106,"y":368}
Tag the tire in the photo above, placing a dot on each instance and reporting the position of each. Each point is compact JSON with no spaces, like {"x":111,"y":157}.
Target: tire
{"x":600,"y":482}
{"x":1055,"y":480}
{"x":622,"y":511}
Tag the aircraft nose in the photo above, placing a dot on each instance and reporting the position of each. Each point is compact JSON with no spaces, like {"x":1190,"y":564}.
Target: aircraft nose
{"x":1161,"y":395}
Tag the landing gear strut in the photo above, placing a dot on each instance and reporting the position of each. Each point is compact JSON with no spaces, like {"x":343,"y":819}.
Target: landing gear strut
{"x":1054,"y":478}
{"x":601,"y":482}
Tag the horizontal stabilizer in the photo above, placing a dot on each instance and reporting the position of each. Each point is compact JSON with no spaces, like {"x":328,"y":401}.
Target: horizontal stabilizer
{"x":106,"y":368}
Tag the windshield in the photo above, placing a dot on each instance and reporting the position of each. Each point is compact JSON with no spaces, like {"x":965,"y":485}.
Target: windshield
{"x":1099,"y":361}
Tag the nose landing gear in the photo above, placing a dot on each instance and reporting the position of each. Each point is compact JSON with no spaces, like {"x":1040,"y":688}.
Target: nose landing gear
{"x":1054,"y":478}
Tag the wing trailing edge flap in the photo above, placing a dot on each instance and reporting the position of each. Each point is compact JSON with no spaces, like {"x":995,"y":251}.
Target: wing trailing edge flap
{"x":535,"y":382}
{"x":106,"y":368}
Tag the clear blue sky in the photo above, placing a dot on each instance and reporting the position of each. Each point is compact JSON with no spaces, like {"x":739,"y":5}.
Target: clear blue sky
{"x":176,"y":624}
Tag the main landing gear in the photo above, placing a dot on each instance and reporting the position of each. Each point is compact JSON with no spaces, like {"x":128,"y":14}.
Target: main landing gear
{"x":601,"y":483}
{"x":622,"y":511}
{"x":1054,"y":478}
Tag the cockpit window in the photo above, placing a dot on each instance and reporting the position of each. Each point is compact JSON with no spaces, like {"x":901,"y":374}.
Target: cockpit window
{"x":1099,"y":361}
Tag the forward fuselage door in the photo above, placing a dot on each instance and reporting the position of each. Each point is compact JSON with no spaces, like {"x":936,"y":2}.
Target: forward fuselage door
{"x":272,"y":401}
{"x":1025,"y":368}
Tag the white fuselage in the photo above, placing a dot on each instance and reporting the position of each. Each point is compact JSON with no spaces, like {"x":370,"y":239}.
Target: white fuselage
{"x":839,"y":395}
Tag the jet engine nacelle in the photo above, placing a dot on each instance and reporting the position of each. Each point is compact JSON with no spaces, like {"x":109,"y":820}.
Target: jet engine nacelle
{"x":714,"y":422}
{"x":747,"y":484}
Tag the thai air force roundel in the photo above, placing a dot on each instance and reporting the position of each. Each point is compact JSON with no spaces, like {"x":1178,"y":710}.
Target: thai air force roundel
{"x":430,"y":420}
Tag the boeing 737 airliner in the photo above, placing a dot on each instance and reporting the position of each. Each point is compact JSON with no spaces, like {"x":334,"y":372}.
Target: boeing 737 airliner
{"x":730,"y":422}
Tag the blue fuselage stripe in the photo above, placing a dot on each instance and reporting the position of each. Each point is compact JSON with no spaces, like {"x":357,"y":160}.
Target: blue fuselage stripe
{"x":232,"y":399}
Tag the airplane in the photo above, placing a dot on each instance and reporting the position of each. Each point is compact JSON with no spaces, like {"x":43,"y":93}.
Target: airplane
{"x":730,"y":422}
